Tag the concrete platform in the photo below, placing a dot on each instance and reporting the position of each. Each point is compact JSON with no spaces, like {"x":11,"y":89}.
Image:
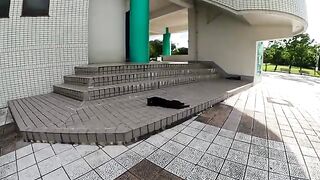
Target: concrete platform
{"x":122,"y":119}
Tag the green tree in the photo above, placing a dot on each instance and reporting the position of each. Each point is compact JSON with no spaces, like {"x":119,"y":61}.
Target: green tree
{"x":156,"y":48}
{"x":180,"y":51}
{"x":302,"y":52}
{"x":274,"y":53}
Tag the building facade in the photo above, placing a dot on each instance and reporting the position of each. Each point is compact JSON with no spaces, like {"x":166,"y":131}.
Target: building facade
{"x":37,"y":50}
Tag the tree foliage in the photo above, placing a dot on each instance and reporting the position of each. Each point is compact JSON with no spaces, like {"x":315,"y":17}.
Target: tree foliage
{"x":300,"y":51}
{"x":156,"y":48}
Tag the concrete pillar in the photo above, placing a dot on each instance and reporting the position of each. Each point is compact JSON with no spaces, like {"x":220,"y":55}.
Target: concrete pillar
{"x":166,"y":47}
{"x":139,"y":31}
{"x":106,"y":31}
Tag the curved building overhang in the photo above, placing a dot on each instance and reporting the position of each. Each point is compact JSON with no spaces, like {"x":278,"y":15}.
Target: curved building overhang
{"x":268,"y":13}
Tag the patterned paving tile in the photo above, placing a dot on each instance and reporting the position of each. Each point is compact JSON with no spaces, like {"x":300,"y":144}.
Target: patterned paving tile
{"x":129,"y":159}
{"x":145,"y":170}
{"x":55,"y":175}
{"x":110,"y":170}
{"x":144,"y":149}
{"x":199,"y":144}
{"x":172,"y":147}
{"x":77,"y":168}
{"x":191,"y":155}
{"x":200,"y":173}
{"x":233,"y":170}
{"x":180,"y":167}
{"x":97,"y":158}
{"x":211,"y":162}
{"x":114,"y":151}
{"x":182,"y":138}
{"x":161,"y":158}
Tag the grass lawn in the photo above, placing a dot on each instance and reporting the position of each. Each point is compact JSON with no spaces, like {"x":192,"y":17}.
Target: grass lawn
{"x":294,"y":70}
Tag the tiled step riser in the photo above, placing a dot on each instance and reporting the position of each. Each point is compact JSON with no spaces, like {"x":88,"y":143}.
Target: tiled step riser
{"x":132,"y":77}
{"x":131,"y":68}
{"x":127,"y":89}
{"x":120,"y":138}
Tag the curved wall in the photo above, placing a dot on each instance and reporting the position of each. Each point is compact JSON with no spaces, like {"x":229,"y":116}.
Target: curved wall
{"x":36,"y":52}
{"x":294,"y":7}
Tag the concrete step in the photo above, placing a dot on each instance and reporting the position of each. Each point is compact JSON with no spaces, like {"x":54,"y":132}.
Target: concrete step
{"x":96,"y":69}
{"x":111,"y":79}
{"x":92,"y":93}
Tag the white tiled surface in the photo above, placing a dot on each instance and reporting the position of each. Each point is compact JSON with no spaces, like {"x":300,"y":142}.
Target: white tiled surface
{"x":295,"y":7}
{"x":36,"y":52}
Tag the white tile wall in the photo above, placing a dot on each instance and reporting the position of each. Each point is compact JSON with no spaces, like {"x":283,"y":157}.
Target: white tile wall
{"x":36,"y":52}
{"x":295,"y":7}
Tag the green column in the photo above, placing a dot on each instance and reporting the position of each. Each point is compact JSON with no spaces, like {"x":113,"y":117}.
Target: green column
{"x":166,"y":48}
{"x":139,"y":31}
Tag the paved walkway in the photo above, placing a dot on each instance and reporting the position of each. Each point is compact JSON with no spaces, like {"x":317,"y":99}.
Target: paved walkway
{"x":271,"y":131}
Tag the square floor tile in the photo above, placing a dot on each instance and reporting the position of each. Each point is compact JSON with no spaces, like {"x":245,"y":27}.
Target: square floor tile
{"x":298,"y":171}
{"x":44,"y":154}
{"x":223,"y":177}
{"x":227,"y":133}
{"x":278,"y":167}
{"x":7,"y":158}
{"x":172,"y":147}
{"x":29,"y":173}
{"x":110,"y":170}
{"x":276,"y":145}
{"x":259,"y":151}
{"x":68,"y":156}
{"x":84,"y":150}
{"x":145,"y":170}
{"x":114,"y":151}
{"x":201,"y":173}
{"x":180,"y":167}
{"x":58,"y":174}
{"x":218,"y":150}
{"x":255,"y":174}
{"x":144,"y":149}
{"x":59,"y":148}
{"x":211,"y":129}
{"x":258,"y":162}
{"x":157,"y":140}
{"x":129,"y":159}
{"x":25,"y":162}
{"x":8,"y":169}
{"x":161,"y":158}
{"x":97,"y":158}
{"x":238,"y":156}
{"x":206,"y":136}
{"x":49,"y":165}
{"x":234,"y":170}
{"x":199,"y":144}
{"x":182,"y":138}
{"x":223,"y":141}
{"x":241,"y":146}
{"x":92,"y":175}
{"x":277,"y":155}
{"x":169,"y":133}
{"x":211,"y":162}
{"x":191,"y":155}
{"x":12,"y":177}
{"x":77,"y":168}
{"x":24,"y":151}
{"x":191,"y":131}
{"x":38,"y":146}
{"x":197,"y":125}
{"x":243,"y":137}
{"x":259,"y":141}
{"x":274,"y":176}
{"x":179,"y":127}
{"x":308,"y":151}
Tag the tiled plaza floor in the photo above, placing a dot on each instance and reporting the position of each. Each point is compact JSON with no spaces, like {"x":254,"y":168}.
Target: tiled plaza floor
{"x":271,"y":131}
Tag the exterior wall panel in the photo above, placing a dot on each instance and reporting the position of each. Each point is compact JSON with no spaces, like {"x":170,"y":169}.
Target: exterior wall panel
{"x":294,"y":7}
{"x":36,"y":52}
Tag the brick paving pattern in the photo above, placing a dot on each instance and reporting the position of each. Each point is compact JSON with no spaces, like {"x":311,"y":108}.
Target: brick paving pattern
{"x":271,"y":131}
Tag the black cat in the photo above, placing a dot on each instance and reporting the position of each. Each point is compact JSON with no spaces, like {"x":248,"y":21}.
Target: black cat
{"x":174,"y":104}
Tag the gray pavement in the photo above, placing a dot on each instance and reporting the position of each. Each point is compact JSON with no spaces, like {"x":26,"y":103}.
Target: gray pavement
{"x":271,"y":131}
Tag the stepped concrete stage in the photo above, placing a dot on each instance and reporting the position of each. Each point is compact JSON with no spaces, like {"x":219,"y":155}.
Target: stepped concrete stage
{"x":106,"y":104}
